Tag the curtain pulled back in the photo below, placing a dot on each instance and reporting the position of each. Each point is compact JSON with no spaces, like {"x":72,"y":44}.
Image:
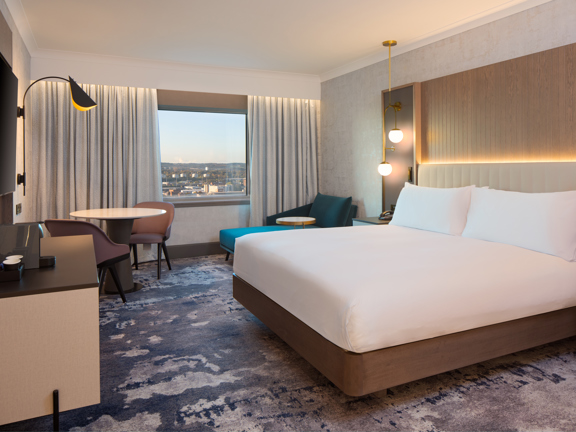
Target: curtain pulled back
{"x":106,"y":157}
{"x":283,"y":141}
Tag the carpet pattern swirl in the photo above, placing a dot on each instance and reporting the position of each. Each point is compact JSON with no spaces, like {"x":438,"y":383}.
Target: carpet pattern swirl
{"x":183,"y":355}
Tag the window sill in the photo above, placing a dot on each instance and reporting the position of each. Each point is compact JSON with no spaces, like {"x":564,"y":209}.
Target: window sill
{"x":208,"y":202}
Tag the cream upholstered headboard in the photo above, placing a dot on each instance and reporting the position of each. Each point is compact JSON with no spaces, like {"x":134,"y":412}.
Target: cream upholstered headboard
{"x":520,"y":176}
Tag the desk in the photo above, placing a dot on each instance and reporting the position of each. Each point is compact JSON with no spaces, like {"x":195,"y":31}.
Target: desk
{"x":119,"y":223}
{"x":49,"y":333}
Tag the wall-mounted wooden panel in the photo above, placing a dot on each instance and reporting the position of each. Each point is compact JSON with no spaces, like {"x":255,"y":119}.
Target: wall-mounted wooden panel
{"x":6,"y":215}
{"x":5,"y":40}
{"x":522,"y":109}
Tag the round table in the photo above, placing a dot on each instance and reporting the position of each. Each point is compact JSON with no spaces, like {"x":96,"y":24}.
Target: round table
{"x":119,"y":223}
{"x":295,"y":221}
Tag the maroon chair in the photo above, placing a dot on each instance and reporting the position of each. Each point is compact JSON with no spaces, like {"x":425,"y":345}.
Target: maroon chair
{"x":107,"y":252}
{"x":153,"y":230}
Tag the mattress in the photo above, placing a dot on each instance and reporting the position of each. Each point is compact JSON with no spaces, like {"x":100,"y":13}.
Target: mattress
{"x":370,"y":287}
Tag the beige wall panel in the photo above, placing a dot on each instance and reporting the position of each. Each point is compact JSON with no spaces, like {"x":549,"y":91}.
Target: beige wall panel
{"x":203,"y":224}
{"x":48,"y":342}
{"x":204,"y":100}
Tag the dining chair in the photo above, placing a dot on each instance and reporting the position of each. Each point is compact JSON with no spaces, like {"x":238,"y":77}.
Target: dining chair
{"x":107,"y":252}
{"x":153,"y":230}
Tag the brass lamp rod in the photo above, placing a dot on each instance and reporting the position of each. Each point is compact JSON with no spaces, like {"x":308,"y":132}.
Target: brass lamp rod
{"x":397,"y":106}
{"x":390,"y":44}
{"x":390,"y":73}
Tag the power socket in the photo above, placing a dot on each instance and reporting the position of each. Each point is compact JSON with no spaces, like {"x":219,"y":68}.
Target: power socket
{"x":18,"y":209}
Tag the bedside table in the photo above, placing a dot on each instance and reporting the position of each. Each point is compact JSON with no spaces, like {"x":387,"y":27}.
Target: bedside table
{"x":369,"y":221}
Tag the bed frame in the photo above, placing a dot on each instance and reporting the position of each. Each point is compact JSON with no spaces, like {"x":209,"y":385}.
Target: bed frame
{"x":361,"y":374}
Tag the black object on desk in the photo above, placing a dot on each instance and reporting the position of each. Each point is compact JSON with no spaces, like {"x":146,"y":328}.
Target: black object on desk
{"x":12,"y":275}
{"x":21,"y":239}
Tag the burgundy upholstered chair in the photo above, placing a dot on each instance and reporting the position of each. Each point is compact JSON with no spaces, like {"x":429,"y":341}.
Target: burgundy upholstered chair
{"x":153,"y":230}
{"x":107,"y":252}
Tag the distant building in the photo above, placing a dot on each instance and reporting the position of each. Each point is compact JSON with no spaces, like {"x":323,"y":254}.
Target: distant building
{"x":210,"y":189}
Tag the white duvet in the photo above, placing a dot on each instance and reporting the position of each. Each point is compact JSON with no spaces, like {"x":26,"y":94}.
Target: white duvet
{"x":370,"y":287}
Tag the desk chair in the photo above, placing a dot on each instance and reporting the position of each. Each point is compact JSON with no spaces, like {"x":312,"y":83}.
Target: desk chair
{"x":107,"y":252}
{"x":153,"y":230}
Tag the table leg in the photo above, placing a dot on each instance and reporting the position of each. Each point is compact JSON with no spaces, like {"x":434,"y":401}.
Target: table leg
{"x":119,"y":231}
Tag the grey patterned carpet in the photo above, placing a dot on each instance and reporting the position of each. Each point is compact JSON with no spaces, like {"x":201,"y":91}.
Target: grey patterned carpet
{"x":183,"y":355}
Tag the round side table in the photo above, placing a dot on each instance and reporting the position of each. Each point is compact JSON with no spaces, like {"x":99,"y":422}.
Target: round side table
{"x":119,"y":223}
{"x":296,"y":221}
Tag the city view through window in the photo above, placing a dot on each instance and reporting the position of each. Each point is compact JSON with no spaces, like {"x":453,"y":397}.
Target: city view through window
{"x":203,"y":154}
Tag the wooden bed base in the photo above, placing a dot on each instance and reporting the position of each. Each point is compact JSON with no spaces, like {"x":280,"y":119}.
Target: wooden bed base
{"x":361,"y":374}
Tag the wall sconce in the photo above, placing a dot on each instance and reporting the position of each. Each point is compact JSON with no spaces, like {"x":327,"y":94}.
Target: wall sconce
{"x":395,"y":135}
{"x":80,"y":100}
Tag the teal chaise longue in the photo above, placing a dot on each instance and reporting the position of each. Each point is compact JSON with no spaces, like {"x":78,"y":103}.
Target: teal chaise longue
{"x":329,"y":211}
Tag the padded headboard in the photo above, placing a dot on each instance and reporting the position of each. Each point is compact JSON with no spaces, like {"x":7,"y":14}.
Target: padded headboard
{"x":520,"y":176}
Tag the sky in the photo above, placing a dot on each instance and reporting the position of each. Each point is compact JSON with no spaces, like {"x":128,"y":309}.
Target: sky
{"x":199,"y":137}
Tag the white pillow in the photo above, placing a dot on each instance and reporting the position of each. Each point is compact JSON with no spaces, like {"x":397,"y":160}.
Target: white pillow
{"x":543,"y":222}
{"x":441,"y":210}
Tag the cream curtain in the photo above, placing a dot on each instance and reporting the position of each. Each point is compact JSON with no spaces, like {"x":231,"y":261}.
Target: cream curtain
{"x":283,"y":141}
{"x":106,"y":157}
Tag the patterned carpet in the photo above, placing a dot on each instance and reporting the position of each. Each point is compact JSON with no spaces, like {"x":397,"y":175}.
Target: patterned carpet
{"x":184,"y":355}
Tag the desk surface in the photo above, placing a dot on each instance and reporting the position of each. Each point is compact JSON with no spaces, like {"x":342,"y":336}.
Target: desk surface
{"x":75,"y":268}
{"x":117,"y":213}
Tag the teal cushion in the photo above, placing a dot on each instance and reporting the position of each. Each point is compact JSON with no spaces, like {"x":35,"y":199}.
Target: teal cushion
{"x":330,"y":211}
{"x":228,"y":236}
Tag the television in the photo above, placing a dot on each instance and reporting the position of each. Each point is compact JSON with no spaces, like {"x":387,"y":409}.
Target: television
{"x":8,"y":107}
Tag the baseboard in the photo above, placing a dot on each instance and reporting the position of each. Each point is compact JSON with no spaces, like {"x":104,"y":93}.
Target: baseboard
{"x":195,"y":249}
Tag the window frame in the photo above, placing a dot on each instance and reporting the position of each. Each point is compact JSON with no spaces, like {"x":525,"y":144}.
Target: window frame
{"x":213,"y":201}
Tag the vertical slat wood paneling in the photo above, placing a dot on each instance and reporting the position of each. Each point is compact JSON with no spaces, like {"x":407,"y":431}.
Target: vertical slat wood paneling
{"x":498,"y":136}
{"x":524,"y":93}
{"x":424,"y":128}
{"x":561,"y":107}
{"x":468,"y":114}
{"x":522,"y":109}
{"x":570,"y":95}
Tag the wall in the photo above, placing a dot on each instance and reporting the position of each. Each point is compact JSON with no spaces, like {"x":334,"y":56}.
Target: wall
{"x":92,"y":69}
{"x":21,"y":68}
{"x":351,"y":124}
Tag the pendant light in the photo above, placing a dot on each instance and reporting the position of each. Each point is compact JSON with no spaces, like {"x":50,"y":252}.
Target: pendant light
{"x":395,"y":135}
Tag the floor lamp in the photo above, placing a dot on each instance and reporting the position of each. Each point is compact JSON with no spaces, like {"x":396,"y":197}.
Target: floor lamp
{"x":80,"y":100}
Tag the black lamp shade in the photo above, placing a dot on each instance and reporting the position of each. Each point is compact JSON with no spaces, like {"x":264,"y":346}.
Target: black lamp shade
{"x":80,"y":100}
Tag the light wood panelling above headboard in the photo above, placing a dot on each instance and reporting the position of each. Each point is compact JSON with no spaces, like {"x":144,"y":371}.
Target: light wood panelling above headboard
{"x":522,"y":109}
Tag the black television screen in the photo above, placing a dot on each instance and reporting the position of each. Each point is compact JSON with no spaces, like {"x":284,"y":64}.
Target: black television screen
{"x":8,"y":105}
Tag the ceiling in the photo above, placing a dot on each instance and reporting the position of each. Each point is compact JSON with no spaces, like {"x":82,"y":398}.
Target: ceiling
{"x":296,"y":36}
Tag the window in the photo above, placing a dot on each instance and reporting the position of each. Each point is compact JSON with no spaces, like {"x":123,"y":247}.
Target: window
{"x":203,"y":154}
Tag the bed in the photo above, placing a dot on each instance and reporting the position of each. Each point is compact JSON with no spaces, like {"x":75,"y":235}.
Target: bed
{"x":373,"y":307}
